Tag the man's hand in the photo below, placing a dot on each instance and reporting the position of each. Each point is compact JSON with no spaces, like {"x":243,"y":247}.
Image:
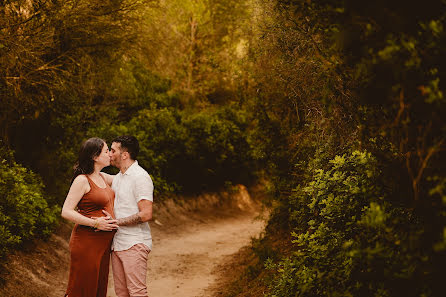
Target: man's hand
{"x":106,"y":223}
{"x":144,"y":214}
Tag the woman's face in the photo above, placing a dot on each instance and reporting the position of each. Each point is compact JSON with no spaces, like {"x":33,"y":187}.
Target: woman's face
{"x":104,"y":158}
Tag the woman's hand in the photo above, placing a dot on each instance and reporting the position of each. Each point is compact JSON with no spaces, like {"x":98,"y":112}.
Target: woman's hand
{"x":105,"y":223}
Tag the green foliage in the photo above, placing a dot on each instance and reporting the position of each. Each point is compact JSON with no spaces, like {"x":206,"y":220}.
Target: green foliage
{"x":219,"y":147}
{"x":59,"y":64}
{"x":52,"y":50}
{"x":24,"y":212}
{"x":188,"y":151}
{"x":347,"y":240}
{"x":138,"y":88}
{"x":314,"y":80}
{"x":199,"y":45}
{"x":331,"y":76}
{"x":161,"y":138}
{"x":75,"y":66}
{"x":438,"y":192}
{"x":70,"y":70}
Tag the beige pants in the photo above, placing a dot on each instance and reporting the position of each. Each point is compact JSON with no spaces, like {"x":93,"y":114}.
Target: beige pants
{"x":130,"y":271}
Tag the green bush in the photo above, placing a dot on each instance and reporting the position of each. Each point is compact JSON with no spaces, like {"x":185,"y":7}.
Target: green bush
{"x":347,"y":240}
{"x":162,"y":143}
{"x":24,"y":212}
{"x":218,"y":149}
{"x":189,"y":151}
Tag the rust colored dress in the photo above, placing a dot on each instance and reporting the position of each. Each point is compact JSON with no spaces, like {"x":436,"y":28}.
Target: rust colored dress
{"x":90,"y":249}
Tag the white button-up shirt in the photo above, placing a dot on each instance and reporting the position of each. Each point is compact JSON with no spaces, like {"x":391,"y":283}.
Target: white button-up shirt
{"x":130,"y":188}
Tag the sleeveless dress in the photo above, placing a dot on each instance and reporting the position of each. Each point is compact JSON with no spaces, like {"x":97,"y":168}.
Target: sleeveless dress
{"x":90,"y":249}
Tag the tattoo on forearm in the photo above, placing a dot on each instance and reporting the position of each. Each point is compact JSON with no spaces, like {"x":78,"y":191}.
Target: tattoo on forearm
{"x":130,"y":220}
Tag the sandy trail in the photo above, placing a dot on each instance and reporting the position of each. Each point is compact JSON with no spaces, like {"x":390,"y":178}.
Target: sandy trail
{"x":184,"y":258}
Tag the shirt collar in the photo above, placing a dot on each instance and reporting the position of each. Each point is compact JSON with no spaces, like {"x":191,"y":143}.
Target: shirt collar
{"x":131,"y":169}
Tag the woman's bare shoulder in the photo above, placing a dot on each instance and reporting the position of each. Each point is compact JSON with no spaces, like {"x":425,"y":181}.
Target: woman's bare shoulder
{"x":79,"y":186}
{"x":80,"y":180}
{"x":81,"y":177}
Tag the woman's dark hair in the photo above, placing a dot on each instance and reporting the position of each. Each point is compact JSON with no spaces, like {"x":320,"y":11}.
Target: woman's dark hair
{"x":90,"y":149}
{"x":129,"y":144}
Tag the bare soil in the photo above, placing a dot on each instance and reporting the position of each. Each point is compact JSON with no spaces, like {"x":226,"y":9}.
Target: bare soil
{"x":195,"y":242}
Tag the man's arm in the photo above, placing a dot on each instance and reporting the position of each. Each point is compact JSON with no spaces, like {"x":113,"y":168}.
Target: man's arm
{"x":108,"y":178}
{"x":143,"y":191}
{"x":144,"y":214}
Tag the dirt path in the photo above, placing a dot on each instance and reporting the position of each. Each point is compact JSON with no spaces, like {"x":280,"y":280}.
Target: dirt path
{"x":184,"y":258}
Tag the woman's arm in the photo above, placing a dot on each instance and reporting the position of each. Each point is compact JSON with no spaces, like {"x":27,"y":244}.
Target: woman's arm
{"x":108,"y":178}
{"x":78,"y":188}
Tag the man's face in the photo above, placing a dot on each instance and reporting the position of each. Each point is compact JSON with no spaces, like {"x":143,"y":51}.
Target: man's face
{"x":115,"y":154}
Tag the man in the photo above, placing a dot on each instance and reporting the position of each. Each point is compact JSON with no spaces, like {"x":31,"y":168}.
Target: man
{"x":132,"y":243}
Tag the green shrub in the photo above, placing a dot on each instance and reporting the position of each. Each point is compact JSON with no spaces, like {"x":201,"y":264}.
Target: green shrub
{"x":24,"y":212}
{"x":347,"y":240}
{"x":162,"y":142}
{"x":186,"y":151}
{"x":218,"y":149}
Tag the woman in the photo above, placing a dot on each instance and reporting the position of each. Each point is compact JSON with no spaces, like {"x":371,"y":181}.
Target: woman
{"x":93,"y":232}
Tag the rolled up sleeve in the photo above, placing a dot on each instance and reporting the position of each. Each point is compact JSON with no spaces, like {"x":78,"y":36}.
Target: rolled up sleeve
{"x":143,"y":188}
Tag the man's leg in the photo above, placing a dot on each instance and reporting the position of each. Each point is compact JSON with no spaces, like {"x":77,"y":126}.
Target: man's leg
{"x":119,"y":279}
{"x":134,"y":262}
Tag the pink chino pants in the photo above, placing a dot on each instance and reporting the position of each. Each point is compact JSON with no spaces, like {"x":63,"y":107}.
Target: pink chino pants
{"x":130,"y":271}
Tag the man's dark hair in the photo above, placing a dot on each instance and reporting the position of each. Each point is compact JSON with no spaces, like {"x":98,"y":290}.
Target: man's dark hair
{"x":129,"y":144}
